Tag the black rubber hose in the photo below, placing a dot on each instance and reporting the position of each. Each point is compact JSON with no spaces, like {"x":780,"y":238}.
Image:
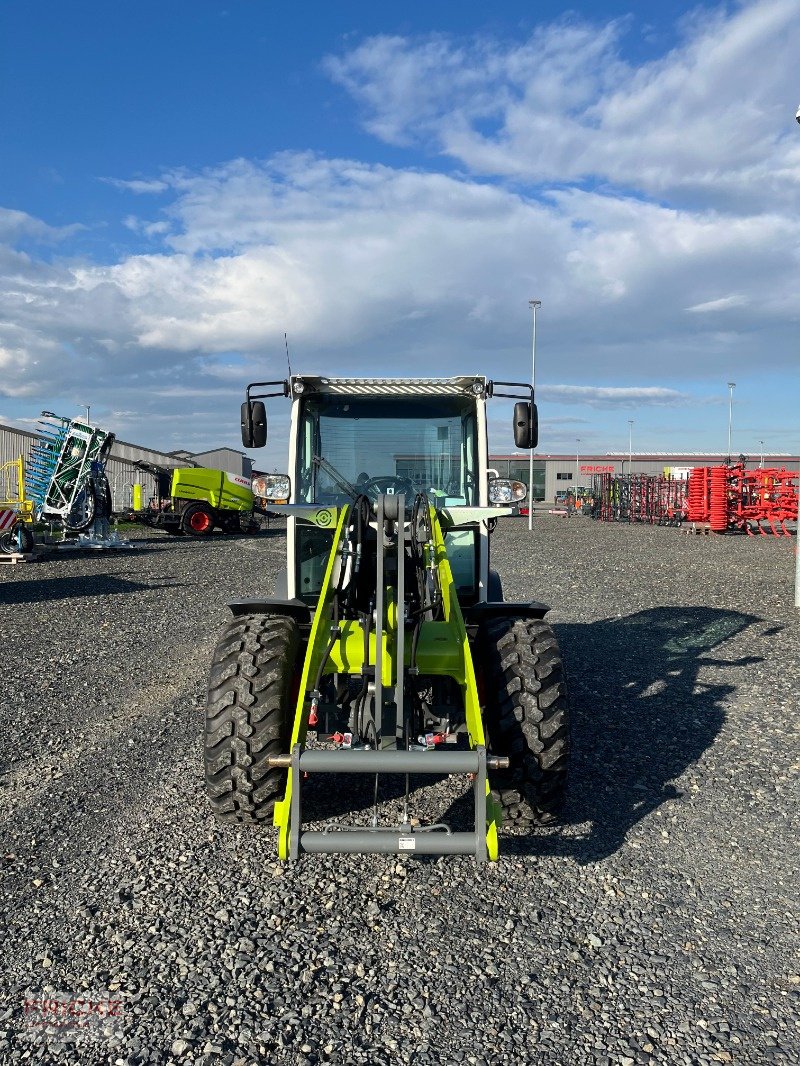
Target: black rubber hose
{"x":361,"y":699}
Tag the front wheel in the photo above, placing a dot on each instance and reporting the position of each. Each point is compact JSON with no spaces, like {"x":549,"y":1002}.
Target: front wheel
{"x":249,"y":715}
{"x":527,"y":718}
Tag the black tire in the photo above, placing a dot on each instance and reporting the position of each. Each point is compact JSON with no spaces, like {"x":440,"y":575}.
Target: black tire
{"x":527,"y":718}
{"x":10,"y":540}
{"x":81,"y":514}
{"x":27,"y":539}
{"x":249,"y":715}
{"x":197,"y":520}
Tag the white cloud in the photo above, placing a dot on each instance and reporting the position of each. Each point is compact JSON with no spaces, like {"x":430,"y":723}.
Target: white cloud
{"x":374,"y":268}
{"x":609,"y":396}
{"x":724,"y":303}
{"x":713,"y":116}
{"x":366,"y":262}
{"x":17,"y":225}
{"x":139,"y":186}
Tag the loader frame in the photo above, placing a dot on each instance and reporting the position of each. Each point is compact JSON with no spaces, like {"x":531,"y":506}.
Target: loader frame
{"x":387,"y":616}
{"x":442,"y":649}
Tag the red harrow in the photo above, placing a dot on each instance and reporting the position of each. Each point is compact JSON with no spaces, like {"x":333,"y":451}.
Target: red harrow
{"x":733,"y":499}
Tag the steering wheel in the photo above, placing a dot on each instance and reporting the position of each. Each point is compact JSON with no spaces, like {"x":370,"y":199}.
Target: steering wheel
{"x":388,"y":484}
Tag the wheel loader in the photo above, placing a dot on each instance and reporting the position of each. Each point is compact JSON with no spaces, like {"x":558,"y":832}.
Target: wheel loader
{"x":387,"y":648}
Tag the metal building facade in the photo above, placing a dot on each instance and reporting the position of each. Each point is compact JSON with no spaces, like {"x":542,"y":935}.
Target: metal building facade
{"x":227,"y":459}
{"x":553,"y":474}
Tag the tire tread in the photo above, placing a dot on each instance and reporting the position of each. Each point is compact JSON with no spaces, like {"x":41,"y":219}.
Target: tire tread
{"x":527,"y":718}
{"x":248,"y":716}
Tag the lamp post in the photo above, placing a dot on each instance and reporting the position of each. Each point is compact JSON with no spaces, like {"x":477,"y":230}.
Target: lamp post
{"x":797,"y":538}
{"x":534,"y":305}
{"x":577,"y":469}
{"x":761,"y":462}
{"x":630,"y":443}
{"x":88,"y":410}
{"x":731,"y":387}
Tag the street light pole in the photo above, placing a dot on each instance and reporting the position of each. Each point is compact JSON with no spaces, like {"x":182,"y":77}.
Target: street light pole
{"x":731,"y":387}
{"x":534,"y":305}
{"x":797,"y":535}
{"x":761,"y":463}
{"x":630,"y":443}
{"x":577,"y":469}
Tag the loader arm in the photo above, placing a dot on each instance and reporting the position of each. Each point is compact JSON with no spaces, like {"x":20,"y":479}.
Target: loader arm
{"x":388,"y":647}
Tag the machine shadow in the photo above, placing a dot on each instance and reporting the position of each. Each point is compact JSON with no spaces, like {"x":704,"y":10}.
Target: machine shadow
{"x":640,"y":716}
{"x":61,"y":588}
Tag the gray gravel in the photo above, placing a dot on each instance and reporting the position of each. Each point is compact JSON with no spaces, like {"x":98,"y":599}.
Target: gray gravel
{"x":658,"y":924}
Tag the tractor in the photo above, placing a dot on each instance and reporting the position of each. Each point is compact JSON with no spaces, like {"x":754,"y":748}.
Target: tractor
{"x":387,"y":648}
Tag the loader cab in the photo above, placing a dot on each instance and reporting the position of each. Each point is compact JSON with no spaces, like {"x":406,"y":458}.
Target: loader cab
{"x":384,"y":436}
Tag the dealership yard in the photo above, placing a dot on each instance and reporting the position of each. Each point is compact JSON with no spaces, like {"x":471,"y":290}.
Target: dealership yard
{"x":657,"y":924}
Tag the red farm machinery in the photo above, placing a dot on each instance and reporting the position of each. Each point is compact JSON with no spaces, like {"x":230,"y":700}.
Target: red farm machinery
{"x":733,"y":499}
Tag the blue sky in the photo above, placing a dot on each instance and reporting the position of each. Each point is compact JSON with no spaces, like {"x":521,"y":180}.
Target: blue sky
{"x":390,"y":184}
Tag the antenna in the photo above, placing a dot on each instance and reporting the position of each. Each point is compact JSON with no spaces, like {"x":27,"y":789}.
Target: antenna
{"x":288,"y":360}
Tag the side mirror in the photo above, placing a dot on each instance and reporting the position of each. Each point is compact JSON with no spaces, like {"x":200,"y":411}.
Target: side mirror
{"x":254,"y":424}
{"x":526,"y":424}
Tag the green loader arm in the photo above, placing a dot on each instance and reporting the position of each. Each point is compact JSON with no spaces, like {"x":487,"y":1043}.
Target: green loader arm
{"x":342,"y":647}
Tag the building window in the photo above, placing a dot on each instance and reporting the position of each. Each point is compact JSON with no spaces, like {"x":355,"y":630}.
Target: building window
{"x":563,"y":477}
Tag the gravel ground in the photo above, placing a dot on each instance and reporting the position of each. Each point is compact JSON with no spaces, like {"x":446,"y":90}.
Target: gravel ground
{"x":658,"y":924}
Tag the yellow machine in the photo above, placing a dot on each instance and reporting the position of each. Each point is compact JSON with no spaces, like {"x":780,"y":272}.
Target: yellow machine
{"x":12,"y":489}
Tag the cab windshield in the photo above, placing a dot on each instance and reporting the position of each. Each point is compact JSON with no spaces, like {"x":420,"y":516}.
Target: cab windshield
{"x":406,"y":444}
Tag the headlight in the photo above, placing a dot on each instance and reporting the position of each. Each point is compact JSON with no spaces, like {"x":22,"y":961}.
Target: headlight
{"x":503,"y":491}
{"x":272,"y":486}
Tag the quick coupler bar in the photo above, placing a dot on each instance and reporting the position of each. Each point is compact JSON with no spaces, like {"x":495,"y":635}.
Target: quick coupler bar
{"x":387,"y":842}
{"x":369,"y":761}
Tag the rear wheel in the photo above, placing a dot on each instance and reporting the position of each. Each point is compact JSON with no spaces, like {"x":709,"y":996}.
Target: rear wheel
{"x":197,"y":520}
{"x":527,"y":718}
{"x":249,"y":716}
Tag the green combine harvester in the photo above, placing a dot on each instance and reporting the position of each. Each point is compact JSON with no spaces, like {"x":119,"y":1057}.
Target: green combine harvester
{"x":388,"y":648}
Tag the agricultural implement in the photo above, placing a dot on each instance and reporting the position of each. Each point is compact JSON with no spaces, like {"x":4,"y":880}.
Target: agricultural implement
{"x":196,"y":500}
{"x":58,"y":475}
{"x":639,"y":498}
{"x":735,"y":499}
{"x":388,"y":649}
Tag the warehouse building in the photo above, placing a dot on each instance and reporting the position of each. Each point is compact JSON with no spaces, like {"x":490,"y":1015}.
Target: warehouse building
{"x":553,"y":475}
{"x":122,"y":469}
{"x":556,"y":475}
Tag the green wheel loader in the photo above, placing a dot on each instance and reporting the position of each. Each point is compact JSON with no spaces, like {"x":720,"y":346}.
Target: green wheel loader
{"x":388,"y":648}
